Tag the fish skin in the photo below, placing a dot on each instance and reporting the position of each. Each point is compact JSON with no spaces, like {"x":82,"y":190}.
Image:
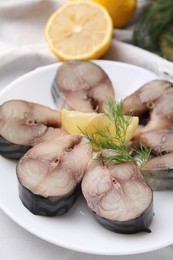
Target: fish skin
{"x":158,"y":172}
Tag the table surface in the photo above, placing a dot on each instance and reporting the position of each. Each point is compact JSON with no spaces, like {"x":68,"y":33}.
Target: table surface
{"x":18,"y":244}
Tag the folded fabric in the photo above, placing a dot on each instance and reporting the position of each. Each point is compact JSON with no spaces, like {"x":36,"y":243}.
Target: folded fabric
{"x":23,"y":46}
{"x":124,"y":52}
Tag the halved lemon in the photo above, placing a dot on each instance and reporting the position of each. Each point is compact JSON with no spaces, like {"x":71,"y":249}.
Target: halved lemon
{"x":75,"y":122}
{"x":79,"y":30}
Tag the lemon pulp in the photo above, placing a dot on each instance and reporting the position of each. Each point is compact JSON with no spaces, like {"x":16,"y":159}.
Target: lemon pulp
{"x":79,"y":30}
{"x":75,"y":122}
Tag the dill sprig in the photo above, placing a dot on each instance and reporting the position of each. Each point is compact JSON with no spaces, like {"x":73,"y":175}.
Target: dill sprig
{"x":104,"y":139}
{"x":114,"y":111}
{"x":142,"y":154}
{"x":122,"y":155}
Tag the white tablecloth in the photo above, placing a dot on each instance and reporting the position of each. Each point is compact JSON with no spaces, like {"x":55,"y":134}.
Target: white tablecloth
{"x":22,"y":49}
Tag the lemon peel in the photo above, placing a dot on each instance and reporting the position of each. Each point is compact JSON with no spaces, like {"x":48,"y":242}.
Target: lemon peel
{"x":121,"y":11}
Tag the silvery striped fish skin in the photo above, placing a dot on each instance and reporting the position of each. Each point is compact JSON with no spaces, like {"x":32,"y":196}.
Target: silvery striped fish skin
{"x":12,"y":151}
{"x":159,"y":179}
{"x":51,"y":206}
{"x":158,"y":172}
{"x":50,"y":174}
{"x":58,"y":97}
{"x":139,"y":224}
{"x":81,"y":85}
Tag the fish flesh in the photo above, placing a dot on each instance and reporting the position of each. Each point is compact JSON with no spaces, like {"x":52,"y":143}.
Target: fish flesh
{"x":151,"y":104}
{"x":145,"y":97}
{"x":118,"y":196}
{"x":158,"y":172}
{"x":50,"y":173}
{"x":161,"y":116}
{"x":82,"y":85}
{"x":159,"y":141}
{"x":24,"y":124}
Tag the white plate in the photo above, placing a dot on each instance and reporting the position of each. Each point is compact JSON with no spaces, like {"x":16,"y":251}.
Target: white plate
{"x":78,"y":230}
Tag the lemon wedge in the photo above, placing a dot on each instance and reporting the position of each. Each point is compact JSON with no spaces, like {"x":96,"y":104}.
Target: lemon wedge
{"x":79,"y":30}
{"x":75,"y":122}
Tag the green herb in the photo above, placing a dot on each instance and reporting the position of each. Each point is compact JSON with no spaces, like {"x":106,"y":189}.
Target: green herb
{"x":166,"y":44}
{"x":142,"y":154}
{"x":122,"y":155}
{"x":103,"y":139}
{"x":155,"y":21}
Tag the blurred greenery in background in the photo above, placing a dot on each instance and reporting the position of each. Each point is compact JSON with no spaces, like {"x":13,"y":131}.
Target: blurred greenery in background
{"x":154,"y":29}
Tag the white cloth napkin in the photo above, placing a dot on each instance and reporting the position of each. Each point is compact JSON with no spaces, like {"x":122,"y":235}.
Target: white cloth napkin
{"x":23,"y":48}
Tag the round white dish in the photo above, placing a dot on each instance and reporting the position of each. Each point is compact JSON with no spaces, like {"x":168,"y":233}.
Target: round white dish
{"x":78,"y":230}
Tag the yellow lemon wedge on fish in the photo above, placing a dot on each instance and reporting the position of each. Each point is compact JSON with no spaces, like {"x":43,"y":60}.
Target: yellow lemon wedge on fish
{"x":75,"y":122}
{"x":79,"y":30}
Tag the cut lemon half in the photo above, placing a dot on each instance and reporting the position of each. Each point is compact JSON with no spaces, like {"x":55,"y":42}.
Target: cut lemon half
{"x":75,"y":122}
{"x":79,"y":30}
